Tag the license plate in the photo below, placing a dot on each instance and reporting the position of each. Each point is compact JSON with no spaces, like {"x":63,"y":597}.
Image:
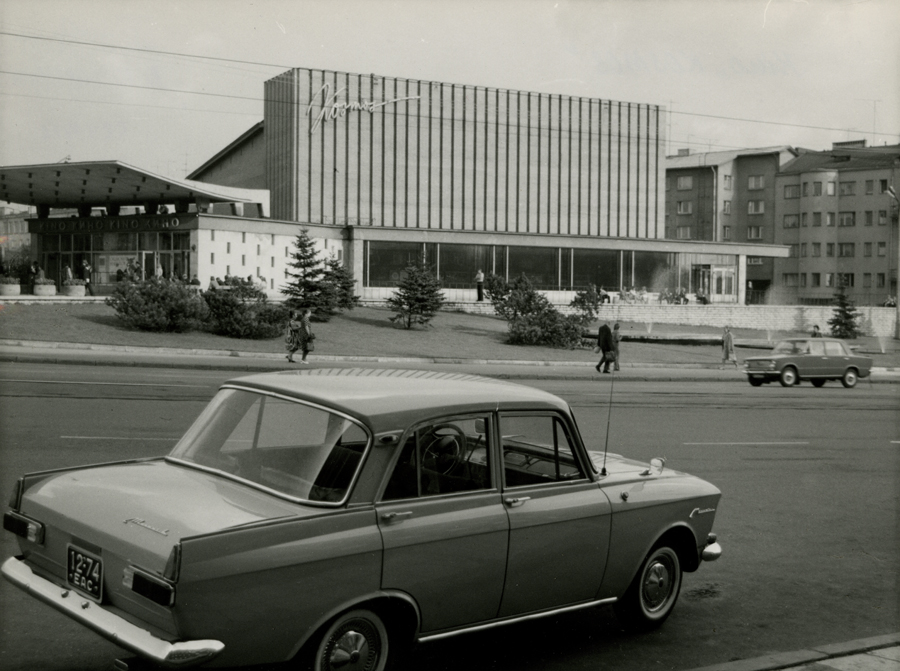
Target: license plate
{"x":85,"y":572}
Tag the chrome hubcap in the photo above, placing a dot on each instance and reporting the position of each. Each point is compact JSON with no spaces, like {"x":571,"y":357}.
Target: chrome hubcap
{"x":351,"y":651}
{"x":657,"y":585}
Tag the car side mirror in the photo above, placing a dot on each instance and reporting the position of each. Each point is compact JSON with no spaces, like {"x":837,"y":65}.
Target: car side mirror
{"x":657,"y":464}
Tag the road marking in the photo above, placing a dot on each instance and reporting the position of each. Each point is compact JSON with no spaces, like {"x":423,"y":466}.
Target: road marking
{"x":114,"y":384}
{"x":802,"y":442}
{"x":114,"y":438}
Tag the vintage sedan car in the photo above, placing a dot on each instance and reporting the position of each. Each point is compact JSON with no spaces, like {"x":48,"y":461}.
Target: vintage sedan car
{"x":337,"y":516}
{"x":815,"y":359}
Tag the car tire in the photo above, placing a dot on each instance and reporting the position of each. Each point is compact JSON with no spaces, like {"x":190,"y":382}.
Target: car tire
{"x":850,"y":378}
{"x":818,"y":382}
{"x":755,"y":381}
{"x":789,"y":377}
{"x":354,"y":641}
{"x":650,"y":598}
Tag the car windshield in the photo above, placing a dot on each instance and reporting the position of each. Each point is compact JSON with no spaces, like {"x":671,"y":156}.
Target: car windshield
{"x":293,"y":448}
{"x":791,"y":347}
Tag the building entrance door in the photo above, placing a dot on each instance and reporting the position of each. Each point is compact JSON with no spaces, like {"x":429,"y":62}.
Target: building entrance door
{"x":722,"y":285}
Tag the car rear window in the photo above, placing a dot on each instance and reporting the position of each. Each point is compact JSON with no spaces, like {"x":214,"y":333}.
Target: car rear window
{"x":300,"y":450}
{"x":833,"y":348}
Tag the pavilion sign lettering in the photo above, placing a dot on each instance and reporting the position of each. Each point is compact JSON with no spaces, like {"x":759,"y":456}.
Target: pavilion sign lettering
{"x":104,"y":224}
{"x":331,"y":108}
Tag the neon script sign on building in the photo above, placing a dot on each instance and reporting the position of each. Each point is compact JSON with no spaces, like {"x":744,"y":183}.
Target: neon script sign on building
{"x":332,"y":108}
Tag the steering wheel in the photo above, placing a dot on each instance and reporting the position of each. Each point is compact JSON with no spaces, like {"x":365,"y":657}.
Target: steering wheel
{"x":444,"y":445}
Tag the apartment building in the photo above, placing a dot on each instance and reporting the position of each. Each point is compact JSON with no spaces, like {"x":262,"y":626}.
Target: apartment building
{"x":727,"y":196}
{"x":837,"y":211}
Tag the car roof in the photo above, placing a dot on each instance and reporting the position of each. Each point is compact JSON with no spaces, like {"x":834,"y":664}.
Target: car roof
{"x":389,"y":399}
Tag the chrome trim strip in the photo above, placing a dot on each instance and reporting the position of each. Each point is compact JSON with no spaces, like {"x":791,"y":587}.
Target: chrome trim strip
{"x":513,"y":620}
{"x":109,"y":625}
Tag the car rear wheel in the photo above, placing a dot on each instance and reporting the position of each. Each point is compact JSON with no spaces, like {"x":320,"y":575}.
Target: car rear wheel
{"x":354,"y":641}
{"x":818,"y":382}
{"x":788,"y":377}
{"x":755,"y":381}
{"x":850,"y":378}
{"x":652,"y":595}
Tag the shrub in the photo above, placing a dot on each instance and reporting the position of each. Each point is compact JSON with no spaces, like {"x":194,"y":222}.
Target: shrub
{"x":244,"y":312}
{"x":587,"y":303}
{"x":547,"y":326}
{"x":6,"y":279}
{"x":157,"y":305}
{"x":74,"y":282}
{"x":519,"y":297}
{"x":418,"y":297}
{"x":44,"y":280}
{"x":843,"y":323}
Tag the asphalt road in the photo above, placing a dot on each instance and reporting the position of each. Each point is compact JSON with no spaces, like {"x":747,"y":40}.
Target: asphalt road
{"x":808,"y":521}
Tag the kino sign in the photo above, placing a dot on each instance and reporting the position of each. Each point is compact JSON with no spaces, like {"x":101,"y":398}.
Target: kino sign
{"x":332,"y":109}
{"x":98,"y":224}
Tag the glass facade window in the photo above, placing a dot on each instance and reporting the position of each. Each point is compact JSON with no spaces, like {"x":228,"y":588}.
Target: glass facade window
{"x":387,"y":261}
{"x":596,"y":266}
{"x":654,"y":271}
{"x":457,"y":264}
{"x":540,"y":264}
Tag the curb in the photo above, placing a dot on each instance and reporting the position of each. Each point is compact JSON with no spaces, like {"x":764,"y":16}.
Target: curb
{"x":796,"y":658}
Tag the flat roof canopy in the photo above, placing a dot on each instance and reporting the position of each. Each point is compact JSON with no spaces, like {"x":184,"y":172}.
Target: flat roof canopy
{"x":104,"y":183}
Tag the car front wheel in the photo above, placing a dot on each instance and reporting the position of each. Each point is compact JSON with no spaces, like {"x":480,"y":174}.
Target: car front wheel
{"x":788,"y":377}
{"x":652,"y":595}
{"x":354,"y":641}
{"x":849,"y":379}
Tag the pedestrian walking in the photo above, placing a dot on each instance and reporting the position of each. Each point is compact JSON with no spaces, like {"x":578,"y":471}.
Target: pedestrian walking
{"x":86,"y":276}
{"x":728,"y":353}
{"x":67,"y":272}
{"x":605,"y":347}
{"x":616,"y":337}
{"x":479,"y":285}
{"x":816,"y":333}
{"x":299,"y":335}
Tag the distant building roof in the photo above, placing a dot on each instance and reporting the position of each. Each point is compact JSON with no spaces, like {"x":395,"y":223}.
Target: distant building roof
{"x":704,"y":159}
{"x":232,"y":147}
{"x":873,"y":158}
{"x":102,"y":183}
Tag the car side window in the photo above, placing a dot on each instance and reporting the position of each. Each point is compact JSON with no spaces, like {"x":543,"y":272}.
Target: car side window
{"x":536,"y":450}
{"x":443,"y":457}
{"x":834,"y":349}
{"x":817,"y":348}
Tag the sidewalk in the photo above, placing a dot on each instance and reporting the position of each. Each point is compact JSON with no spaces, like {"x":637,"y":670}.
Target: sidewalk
{"x":880,"y":653}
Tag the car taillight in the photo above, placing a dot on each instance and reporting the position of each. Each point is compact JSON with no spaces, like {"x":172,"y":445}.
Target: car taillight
{"x":20,"y":525}
{"x":148,"y":586}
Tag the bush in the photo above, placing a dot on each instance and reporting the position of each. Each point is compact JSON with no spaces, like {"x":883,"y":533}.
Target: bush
{"x":512,"y":299}
{"x":587,"y":303}
{"x":158,"y":305}
{"x":244,"y":312}
{"x":6,"y":279}
{"x":74,"y":283}
{"x":44,"y":280}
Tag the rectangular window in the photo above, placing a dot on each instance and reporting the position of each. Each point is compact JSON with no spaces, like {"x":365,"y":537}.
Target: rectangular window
{"x":870,"y":217}
{"x":815,"y":280}
{"x":726,"y":232}
{"x":829,"y":218}
{"x":790,"y":279}
{"x":882,"y":217}
{"x":804,"y":220}
{"x":791,"y":220}
{"x":683,"y":232}
{"x":817,"y":188}
{"x":803,"y":280}
{"x":754,"y":261}
{"x":845,"y":279}
{"x":228,"y":248}
{"x":879,"y":280}
{"x":668,"y":184}
{"x":212,"y":235}
{"x":884,"y":186}
{"x":536,"y":451}
{"x":685,"y":207}
{"x":244,"y":238}
{"x":794,"y":251}
{"x":212,"y":257}
{"x":867,"y":249}
{"x":870,"y":187}
{"x":867,"y":280}
{"x":727,"y":182}
{"x":882,"y":249}
{"x":848,"y":188}
{"x":726,"y":207}
{"x":829,"y":249}
{"x":756,"y":207}
{"x":846,"y":250}
{"x":802,"y":249}
{"x":847,"y":219}
{"x":258,"y":250}
{"x":272,"y":239}
{"x":805,"y":188}
{"x":817,"y":218}
{"x":271,"y":262}
{"x":684,"y":183}
{"x":829,"y":279}
{"x":829,"y":189}
{"x":243,"y":260}
{"x":816,"y":249}
{"x":791,"y":190}
{"x":756,"y":182}
{"x":754,"y":232}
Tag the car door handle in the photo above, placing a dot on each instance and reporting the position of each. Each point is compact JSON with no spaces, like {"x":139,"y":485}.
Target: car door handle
{"x":396,"y":517}
{"x":513,"y":503}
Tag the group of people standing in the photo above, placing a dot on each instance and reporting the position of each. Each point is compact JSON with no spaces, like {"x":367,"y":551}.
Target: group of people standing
{"x":299,"y":335}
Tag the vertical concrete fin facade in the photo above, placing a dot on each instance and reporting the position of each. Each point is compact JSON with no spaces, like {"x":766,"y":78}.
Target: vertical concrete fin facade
{"x":365,"y":150}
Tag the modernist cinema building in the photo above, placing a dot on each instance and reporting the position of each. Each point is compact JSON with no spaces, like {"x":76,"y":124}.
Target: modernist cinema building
{"x":382,"y":172}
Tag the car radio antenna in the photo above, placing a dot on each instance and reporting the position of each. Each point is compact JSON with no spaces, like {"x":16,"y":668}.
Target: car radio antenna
{"x":612,"y":383}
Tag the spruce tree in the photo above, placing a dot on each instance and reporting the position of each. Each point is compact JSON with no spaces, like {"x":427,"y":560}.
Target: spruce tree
{"x":418,"y":297}
{"x":340,"y":277}
{"x":843,"y":323}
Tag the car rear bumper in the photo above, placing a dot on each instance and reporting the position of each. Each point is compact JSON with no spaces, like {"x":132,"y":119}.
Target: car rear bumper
{"x":133,"y":638}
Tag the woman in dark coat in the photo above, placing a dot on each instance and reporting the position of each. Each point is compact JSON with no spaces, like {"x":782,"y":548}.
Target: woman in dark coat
{"x":299,"y":335}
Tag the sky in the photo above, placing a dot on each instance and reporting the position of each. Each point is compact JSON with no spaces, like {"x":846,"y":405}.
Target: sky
{"x":165,"y":84}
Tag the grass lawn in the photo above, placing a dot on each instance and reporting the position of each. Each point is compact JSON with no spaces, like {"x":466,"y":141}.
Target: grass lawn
{"x":364,"y":331}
